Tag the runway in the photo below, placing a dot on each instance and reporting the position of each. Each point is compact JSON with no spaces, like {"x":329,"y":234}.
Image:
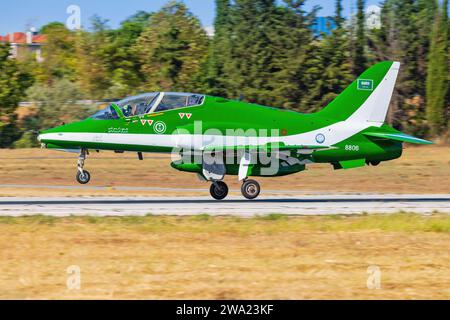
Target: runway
{"x":236,"y":206}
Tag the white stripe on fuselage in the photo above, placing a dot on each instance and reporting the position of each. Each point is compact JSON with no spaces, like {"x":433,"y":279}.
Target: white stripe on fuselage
{"x":334,"y":133}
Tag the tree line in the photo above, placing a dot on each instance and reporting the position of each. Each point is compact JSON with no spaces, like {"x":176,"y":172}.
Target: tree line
{"x":263,"y":51}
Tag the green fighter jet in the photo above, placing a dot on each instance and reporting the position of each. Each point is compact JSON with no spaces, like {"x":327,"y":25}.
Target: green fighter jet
{"x":214,"y":137}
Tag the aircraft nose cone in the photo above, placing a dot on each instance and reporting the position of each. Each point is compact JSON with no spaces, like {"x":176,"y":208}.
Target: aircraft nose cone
{"x":42,"y":136}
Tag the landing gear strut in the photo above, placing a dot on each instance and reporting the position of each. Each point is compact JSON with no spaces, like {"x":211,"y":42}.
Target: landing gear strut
{"x":219,"y":190}
{"x":250,"y":189}
{"x":83,"y":176}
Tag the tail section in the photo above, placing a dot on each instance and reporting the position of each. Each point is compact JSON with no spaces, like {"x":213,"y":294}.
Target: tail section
{"x":367,"y":99}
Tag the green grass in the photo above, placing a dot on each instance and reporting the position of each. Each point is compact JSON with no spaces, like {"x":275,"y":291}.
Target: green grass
{"x":272,"y":217}
{"x":36,"y":219}
{"x":202,"y":217}
{"x":273,"y":223}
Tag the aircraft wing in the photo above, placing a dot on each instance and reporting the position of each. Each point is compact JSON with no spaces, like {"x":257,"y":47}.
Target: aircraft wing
{"x":267,"y":147}
{"x":397,"y":136}
{"x":245,"y":163}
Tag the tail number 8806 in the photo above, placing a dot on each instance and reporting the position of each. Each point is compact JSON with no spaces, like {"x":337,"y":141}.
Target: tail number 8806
{"x":350,"y":147}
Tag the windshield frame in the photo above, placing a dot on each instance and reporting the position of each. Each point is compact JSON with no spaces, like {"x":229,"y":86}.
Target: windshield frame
{"x":101,"y":114}
{"x":163,"y":94}
{"x":151,"y":98}
{"x":153,"y":101}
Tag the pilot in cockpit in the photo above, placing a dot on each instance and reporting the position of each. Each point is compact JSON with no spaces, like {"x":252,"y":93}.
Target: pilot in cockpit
{"x":127,"y":110}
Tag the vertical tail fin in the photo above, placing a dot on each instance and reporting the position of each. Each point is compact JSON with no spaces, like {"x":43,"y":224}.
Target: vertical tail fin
{"x":367,"y":99}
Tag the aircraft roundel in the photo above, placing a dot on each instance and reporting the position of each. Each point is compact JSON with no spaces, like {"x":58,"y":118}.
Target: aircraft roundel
{"x":320,"y":138}
{"x":182,"y":115}
{"x":160,"y":127}
{"x":188,"y":115}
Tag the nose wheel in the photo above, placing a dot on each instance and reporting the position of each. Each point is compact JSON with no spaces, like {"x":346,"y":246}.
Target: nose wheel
{"x":83,"y":176}
{"x":251,"y":189}
{"x":219,"y":190}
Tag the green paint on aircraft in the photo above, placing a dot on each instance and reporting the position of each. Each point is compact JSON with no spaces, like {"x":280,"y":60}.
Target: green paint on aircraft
{"x":349,"y":133}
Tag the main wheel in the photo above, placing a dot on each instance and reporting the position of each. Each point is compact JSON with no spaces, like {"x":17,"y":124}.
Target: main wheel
{"x":251,"y":189}
{"x":219,"y":190}
{"x":83,"y":178}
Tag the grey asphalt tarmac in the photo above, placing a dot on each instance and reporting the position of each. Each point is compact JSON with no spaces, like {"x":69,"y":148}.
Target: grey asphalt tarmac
{"x":236,"y":206}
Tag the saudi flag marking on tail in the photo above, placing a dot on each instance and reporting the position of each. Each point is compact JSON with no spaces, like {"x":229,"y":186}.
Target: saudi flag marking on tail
{"x":365,"y":84}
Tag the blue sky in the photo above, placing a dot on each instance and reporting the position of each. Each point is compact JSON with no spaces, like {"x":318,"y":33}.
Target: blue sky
{"x":17,"y":15}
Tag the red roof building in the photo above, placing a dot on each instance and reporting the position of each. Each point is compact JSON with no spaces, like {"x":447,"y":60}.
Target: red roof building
{"x":24,"y":43}
{"x":23,"y":38}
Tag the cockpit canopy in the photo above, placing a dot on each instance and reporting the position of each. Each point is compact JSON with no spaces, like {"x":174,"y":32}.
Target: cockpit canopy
{"x":150,"y":103}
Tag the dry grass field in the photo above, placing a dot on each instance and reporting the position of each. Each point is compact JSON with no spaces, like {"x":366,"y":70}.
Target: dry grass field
{"x":421,"y":170}
{"x":202,"y":257}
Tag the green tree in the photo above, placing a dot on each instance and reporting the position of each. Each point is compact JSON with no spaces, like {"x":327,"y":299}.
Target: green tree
{"x":333,"y":53}
{"x":438,"y":69}
{"x":58,"y":54}
{"x":93,"y":51}
{"x":252,"y":51}
{"x":297,"y":64}
{"x":172,"y":50}
{"x":359,"y":52}
{"x":13,"y":83}
{"x":271,"y":58}
{"x":425,"y":18}
{"x":57,"y":103}
{"x":124,"y":67}
{"x":338,"y":18}
{"x":405,"y":36}
{"x":216,"y":79}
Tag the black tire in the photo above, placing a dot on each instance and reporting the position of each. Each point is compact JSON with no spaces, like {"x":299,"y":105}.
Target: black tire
{"x":219,"y":190}
{"x":83,"y":178}
{"x":251,"y":189}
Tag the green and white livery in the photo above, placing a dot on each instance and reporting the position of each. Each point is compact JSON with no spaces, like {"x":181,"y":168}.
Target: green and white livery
{"x":214,"y":137}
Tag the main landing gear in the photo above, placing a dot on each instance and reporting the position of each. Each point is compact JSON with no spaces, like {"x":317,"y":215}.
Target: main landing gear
{"x":219,"y":190}
{"x":250,"y":189}
{"x":83,"y":176}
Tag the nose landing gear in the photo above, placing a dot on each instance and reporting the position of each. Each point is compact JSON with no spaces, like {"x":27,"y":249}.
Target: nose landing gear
{"x":83,"y":176}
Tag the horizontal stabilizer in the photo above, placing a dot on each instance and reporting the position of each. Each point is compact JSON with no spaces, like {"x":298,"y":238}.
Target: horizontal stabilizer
{"x":403,"y":137}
